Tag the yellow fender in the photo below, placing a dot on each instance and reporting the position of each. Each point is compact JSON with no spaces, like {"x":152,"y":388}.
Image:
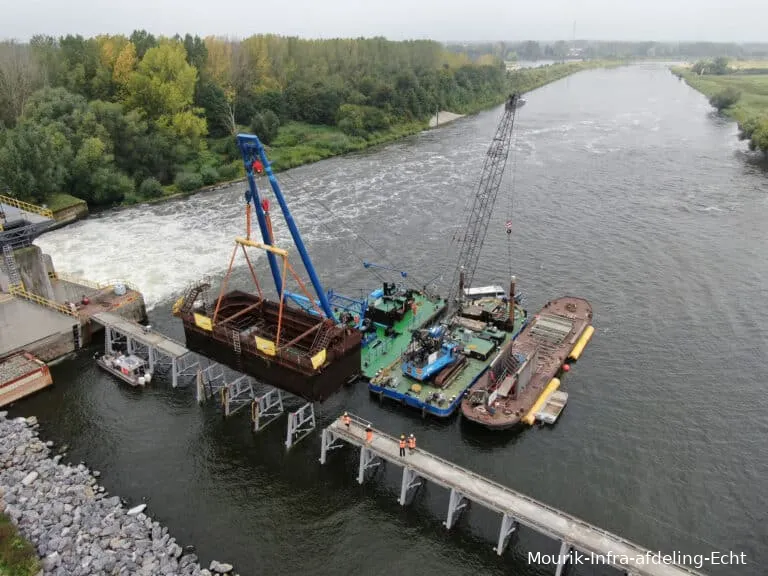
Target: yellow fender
{"x":178,"y":304}
{"x":582,"y":343}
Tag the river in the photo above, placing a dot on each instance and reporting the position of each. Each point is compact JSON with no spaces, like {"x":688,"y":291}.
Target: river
{"x":628,"y":191}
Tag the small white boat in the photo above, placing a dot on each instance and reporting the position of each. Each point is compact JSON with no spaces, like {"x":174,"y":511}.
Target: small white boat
{"x":129,"y":368}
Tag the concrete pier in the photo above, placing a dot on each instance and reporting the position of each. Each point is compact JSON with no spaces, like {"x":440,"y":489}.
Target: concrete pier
{"x":42,"y":312}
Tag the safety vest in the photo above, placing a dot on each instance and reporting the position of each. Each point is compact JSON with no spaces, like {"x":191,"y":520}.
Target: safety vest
{"x":402,"y":443}
{"x":411,"y":442}
{"x":369,"y":435}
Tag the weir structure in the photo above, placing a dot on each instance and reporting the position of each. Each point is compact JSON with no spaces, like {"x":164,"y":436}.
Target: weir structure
{"x":516,"y":509}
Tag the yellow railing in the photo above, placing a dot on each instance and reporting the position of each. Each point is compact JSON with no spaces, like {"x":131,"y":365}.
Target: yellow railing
{"x":90,"y":283}
{"x":21,"y":292}
{"x":26,"y":206}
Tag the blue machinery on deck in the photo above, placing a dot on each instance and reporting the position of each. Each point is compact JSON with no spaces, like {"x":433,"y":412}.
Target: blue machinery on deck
{"x":255,"y":158}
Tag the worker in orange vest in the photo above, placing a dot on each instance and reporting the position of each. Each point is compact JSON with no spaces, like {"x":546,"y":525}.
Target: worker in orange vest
{"x":368,"y":434}
{"x":346,"y":419}
{"x":412,"y":443}
{"x":402,"y":445}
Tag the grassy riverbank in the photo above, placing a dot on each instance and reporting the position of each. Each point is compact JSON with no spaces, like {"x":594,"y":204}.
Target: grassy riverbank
{"x":299,"y":143}
{"x":748,"y":89}
{"x":17,"y":556}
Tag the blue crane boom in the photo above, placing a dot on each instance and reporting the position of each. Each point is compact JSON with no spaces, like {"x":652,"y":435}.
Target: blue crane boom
{"x":252,"y":150}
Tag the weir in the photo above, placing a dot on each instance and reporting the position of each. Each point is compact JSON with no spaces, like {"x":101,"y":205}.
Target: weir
{"x":516,"y":509}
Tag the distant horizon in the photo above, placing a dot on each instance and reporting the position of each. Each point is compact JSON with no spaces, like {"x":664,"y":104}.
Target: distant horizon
{"x":369,"y":37}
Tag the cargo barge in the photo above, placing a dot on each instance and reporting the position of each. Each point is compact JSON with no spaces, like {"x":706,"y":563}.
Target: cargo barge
{"x":22,"y":374}
{"x":443,"y":361}
{"x":526,"y":373}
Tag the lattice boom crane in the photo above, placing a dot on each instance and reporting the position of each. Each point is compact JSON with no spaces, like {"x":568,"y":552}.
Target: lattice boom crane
{"x":476,"y":228}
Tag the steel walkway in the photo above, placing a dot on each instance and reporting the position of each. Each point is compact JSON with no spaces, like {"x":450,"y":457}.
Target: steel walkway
{"x":516,"y":508}
{"x":159,"y":350}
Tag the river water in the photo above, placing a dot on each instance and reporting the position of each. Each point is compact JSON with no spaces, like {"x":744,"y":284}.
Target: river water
{"x":627,"y":191}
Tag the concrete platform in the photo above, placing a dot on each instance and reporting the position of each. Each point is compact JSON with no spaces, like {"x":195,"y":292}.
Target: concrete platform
{"x":41,"y":331}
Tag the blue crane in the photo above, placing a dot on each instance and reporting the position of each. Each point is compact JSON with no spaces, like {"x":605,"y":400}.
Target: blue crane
{"x":255,"y":160}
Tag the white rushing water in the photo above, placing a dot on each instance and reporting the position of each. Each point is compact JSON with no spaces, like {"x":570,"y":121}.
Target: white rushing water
{"x":161,"y":248}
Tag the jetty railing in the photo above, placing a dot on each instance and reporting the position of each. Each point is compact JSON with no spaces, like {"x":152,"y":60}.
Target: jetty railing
{"x":26,"y":206}
{"x":90,"y":283}
{"x":21,"y":292}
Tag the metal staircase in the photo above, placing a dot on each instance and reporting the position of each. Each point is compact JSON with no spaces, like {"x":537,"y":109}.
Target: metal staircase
{"x":322,"y":339}
{"x":190,"y":296}
{"x":14,"y":279}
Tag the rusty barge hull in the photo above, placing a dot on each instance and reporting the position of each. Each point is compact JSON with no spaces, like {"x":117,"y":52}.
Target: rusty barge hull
{"x":312,"y":358}
{"x":545,"y":343}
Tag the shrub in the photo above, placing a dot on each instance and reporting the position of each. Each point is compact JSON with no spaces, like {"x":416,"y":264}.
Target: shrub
{"x":265,"y":125}
{"x":210,"y":175}
{"x":150,"y":188}
{"x":725,"y":98}
{"x":188,"y":181}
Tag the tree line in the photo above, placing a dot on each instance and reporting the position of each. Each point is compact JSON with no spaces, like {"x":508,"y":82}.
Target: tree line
{"x":113,"y":118}
{"x":561,"y":49}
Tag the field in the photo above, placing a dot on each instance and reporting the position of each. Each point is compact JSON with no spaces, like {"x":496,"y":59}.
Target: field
{"x":753,"y":88}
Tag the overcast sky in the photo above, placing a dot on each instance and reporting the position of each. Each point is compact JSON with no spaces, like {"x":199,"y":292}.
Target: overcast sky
{"x":716,"y":20}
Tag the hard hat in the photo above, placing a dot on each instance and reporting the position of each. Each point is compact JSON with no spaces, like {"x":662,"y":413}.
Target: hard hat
{"x":402,"y":435}
{"x":345,"y":414}
{"x":411,"y":435}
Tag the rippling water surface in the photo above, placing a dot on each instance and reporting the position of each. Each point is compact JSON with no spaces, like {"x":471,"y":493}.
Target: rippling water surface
{"x":628,"y":191}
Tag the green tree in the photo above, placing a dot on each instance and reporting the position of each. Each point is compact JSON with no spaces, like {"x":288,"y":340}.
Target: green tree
{"x":265,"y":125}
{"x":143,"y":41}
{"x":35,"y":162}
{"x":163,"y":83}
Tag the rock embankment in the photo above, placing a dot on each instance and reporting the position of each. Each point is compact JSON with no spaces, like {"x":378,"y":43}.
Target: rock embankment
{"x":75,"y":525}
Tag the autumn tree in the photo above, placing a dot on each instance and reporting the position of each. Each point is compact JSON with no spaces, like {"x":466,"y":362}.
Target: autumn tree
{"x":19,"y":77}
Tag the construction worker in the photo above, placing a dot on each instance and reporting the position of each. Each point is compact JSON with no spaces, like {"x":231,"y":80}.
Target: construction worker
{"x":402,"y":445}
{"x":411,"y":443}
{"x":368,"y":434}
{"x":346,"y":419}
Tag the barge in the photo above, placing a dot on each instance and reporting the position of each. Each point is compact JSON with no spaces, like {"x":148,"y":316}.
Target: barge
{"x":391,"y":316}
{"x":443,"y":361}
{"x":22,"y":374}
{"x":525,"y":375}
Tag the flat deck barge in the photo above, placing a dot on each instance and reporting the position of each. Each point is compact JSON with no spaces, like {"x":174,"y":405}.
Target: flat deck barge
{"x":388,"y":338}
{"x":526,"y":373}
{"x":475,"y":342}
{"x":21,"y":374}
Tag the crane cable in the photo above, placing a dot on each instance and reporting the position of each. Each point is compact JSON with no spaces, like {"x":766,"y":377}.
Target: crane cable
{"x":511,"y":206}
{"x":352,"y":232}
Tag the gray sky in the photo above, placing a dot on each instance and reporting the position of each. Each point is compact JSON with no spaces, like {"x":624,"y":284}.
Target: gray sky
{"x":715,"y":20}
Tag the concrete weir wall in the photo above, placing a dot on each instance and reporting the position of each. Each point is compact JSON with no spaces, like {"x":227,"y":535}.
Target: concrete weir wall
{"x":45,"y":331}
{"x":33,"y":268}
